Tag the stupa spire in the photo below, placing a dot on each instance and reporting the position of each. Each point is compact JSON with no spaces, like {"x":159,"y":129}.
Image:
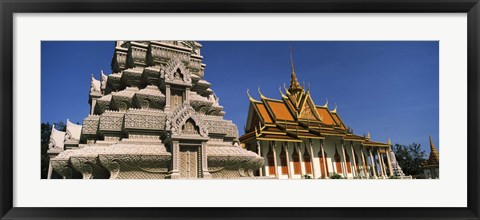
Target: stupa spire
{"x":434,"y":158}
{"x":294,"y":84}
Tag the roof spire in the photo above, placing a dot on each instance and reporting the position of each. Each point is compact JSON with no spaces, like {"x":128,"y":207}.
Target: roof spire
{"x":294,"y":84}
{"x":433,"y":158}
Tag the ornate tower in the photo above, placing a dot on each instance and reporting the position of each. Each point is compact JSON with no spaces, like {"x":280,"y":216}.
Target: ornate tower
{"x":155,"y":116}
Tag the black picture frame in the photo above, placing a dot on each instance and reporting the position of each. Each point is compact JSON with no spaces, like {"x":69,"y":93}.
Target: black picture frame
{"x":10,"y":7}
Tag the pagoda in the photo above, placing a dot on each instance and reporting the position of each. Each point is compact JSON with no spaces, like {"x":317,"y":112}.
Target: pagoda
{"x":299,"y":139}
{"x":153,"y":117}
{"x":431,"y":166}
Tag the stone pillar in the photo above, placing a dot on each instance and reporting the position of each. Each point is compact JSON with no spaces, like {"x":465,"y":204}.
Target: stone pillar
{"x":285,"y":148}
{"x":167,"y":98}
{"x":355,"y":172}
{"x":390,"y":169}
{"x":345,"y":174}
{"x":175,"y":172}
{"x":259,"y":149}
{"x":274,"y":158}
{"x":312,"y":159}
{"x":324,"y":160}
{"x":373,"y":163}
{"x":205,"y":172}
{"x":381,"y":164}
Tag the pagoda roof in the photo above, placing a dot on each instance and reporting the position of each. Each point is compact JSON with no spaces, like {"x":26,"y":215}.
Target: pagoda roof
{"x":295,"y":116}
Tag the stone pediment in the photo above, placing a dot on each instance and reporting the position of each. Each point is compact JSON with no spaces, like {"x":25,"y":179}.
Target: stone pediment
{"x":176,"y":72}
{"x":177,"y":119}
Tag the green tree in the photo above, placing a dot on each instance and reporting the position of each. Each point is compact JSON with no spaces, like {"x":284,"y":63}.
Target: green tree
{"x":410,"y":158}
{"x":46,"y":130}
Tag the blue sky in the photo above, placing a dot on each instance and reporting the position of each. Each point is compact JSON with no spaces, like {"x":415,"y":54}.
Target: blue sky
{"x":389,"y":89}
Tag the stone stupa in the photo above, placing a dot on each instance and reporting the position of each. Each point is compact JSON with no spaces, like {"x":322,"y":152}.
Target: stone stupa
{"x":154,"y":117}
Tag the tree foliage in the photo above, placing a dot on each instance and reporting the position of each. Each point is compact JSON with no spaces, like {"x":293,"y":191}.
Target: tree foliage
{"x":410,"y":158}
{"x":46,"y":130}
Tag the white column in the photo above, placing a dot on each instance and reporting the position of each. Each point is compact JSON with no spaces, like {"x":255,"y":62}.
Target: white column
{"x":300,"y":157}
{"x":259,"y":149}
{"x":381,"y":164}
{"x":315,"y":176}
{"x":390,"y":169}
{"x":274,"y":158}
{"x":373,"y":163}
{"x":285,"y":148}
{"x":345,"y":173}
{"x":355,"y":172}
{"x":324,"y":160}
{"x":364,"y":164}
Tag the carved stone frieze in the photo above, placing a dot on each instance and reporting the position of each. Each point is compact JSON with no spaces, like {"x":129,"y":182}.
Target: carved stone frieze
{"x":136,"y":166}
{"x":147,"y":120}
{"x":90,"y":125}
{"x":137,"y":54}
{"x":222,"y":127}
{"x":111,"y":121}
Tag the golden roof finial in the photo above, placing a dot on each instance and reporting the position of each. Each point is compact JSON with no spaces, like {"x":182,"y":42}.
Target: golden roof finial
{"x":326,"y":103}
{"x":291,"y":61}
{"x":261,"y":95}
{"x":294,"y":84}
{"x":249,"y":96}
{"x":368,"y":135}
{"x":283,"y":95}
{"x":389,"y":142}
{"x":286,"y":90}
{"x":335,"y":109}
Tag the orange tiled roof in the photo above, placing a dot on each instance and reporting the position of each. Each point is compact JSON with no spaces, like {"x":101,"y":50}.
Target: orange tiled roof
{"x":326,"y":116}
{"x":263,"y":112}
{"x":280,"y":110}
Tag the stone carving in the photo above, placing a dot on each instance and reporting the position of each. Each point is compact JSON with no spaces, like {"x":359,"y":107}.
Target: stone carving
{"x":111,"y":122}
{"x":94,"y":85}
{"x":142,"y":120}
{"x":103,"y":82}
{"x":175,"y":70}
{"x":90,"y":125}
{"x":149,"y":98}
{"x":180,"y":115}
{"x":189,"y":127}
{"x":62,"y":167}
{"x":222,"y":127}
{"x":57,"y":139}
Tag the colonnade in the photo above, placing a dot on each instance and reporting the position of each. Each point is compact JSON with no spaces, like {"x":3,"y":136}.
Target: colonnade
{"x":349,"y":159}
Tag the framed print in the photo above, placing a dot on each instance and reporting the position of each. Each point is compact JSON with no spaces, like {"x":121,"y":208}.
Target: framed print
{"x":269,"y":109}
